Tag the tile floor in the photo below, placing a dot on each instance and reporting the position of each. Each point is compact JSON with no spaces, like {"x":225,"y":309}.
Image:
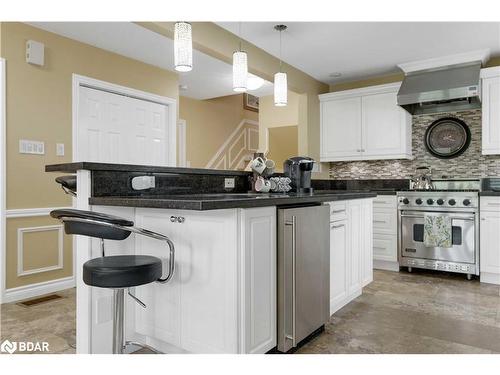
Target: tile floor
{"x":421,"y":312}
{"x":52,"y":321}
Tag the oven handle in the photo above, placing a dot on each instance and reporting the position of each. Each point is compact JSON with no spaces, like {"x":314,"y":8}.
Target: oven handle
{"x":468,"y":218}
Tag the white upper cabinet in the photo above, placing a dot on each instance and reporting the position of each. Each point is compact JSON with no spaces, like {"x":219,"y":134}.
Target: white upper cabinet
{"x":364,"y":124}
{"x":340,"y":141}
{"x":491,"y":110}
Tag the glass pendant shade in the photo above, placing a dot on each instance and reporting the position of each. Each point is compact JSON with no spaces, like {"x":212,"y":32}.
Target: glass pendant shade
{"x":240,"y":71}
{"x":280,"y":90}
{"x":183,"y":47}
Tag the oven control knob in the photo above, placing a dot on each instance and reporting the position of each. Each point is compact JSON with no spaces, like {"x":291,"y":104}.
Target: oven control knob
{"x":467,"y":202}
{"x":418,"y":201}
{"x":406,"y":201}
{"x":452,"y":202}
{"x":430,"y":201}
{"x":440,"y":202}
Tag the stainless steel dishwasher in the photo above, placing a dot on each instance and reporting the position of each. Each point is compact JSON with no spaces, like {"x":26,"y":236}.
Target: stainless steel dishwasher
{"x":303,"y":273}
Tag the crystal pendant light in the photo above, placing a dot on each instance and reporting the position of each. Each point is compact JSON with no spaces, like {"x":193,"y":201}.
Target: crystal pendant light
{"x":240,"y":69}
{"x":280,"y":79}
{"x":183,"y":47}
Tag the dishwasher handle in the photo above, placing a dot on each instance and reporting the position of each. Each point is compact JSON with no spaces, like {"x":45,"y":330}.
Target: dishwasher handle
{"x":293,"y":336}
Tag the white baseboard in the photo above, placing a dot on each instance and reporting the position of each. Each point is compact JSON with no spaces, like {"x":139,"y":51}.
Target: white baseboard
{"x":39,"y":289}
{"x":385,"y":265}
{"x":490,"y":278}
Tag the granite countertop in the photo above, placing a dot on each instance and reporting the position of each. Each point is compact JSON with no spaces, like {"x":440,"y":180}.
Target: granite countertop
{"x":203,"y":202}
{"x":91,"y":166}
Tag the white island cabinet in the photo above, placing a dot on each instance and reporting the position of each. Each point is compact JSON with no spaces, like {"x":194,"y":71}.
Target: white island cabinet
{"x":222,"y":298}
{"x":351,"y":250}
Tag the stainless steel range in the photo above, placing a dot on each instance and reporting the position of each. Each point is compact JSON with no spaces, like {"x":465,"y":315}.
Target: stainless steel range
{"x":455,"y":199}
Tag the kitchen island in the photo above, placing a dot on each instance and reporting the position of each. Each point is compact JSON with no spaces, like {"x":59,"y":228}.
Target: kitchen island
{"x":223,"y":296}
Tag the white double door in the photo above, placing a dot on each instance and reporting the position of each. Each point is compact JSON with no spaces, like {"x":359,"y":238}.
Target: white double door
{"x":114,"y":128}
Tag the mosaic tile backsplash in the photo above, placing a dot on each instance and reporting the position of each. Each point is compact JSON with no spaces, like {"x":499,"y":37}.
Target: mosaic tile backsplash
{"x":471,"y":164}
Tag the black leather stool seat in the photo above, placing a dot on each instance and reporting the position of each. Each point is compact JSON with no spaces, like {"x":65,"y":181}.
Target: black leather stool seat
{"x":69,"y":182}
{"x":122,"y":271}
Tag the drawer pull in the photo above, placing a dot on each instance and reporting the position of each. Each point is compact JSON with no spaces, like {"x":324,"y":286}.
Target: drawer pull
{"x":338,"y":226}
{"x":379,"y":221}
{"x":338,"y":211}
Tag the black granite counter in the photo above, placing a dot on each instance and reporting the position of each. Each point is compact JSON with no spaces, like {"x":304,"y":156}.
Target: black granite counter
{"x":223,"y":201}
{"x":90,"y":166}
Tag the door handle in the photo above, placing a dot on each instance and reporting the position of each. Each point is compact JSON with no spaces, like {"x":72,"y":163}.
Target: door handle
{"x":293,"y":336}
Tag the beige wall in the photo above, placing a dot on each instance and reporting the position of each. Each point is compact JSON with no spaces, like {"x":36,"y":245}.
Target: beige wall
{"x":282,"y":144}
{"x":209,"y":123}
{"x":39,"y":108}
{"x":219,"y":43}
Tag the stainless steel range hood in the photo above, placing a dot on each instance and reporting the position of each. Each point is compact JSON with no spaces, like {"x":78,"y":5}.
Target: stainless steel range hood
{"x":444,"y":89}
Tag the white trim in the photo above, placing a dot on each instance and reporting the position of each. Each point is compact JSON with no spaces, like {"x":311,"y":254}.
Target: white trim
{"x":437,"y":62}
{"x":39,"y":289}
{"x":231,"y":148}
{"x":226,"y":143}
{"x":369,"y":90}
{"x":20,"y":249}
{"x":492,"y":72}
{"x":181,"y":128}
{"x":3,"y":238}
{"x":31,"y":212}
{"x":79,"y":81}
{"x":250,"y":130}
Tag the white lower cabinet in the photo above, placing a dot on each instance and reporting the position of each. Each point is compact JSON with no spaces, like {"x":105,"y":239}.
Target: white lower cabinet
{"x":351,"y":251}
{"x":489,"y":256}
{"x":222,"y":298}
{"x":385,"y":233}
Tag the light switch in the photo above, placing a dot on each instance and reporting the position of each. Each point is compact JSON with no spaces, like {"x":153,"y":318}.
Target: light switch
{"x":31,"y":147}
{"x":60,"y":149}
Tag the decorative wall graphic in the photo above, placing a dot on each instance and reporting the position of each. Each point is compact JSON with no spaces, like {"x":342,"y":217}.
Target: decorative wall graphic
{"x":447,"y":138}
{"x":471,"y":164}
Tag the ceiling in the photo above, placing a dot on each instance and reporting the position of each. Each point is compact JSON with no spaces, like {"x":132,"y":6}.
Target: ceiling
{"x":210,"y":77}
{"x":360,"y":50}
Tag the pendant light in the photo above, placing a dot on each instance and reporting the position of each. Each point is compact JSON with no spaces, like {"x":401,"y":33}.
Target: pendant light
{"x":183,"y":47}
{"x":240,"y":68}
{"x":280,"y":79}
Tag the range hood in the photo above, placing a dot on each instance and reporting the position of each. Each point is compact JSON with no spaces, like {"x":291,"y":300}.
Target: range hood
{"x":443,"y":89}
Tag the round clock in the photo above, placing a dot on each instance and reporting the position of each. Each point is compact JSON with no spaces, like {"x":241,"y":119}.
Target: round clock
{"x":447,"y":138}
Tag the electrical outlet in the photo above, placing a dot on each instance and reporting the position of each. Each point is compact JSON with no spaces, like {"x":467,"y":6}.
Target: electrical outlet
{"x":229,"y":183}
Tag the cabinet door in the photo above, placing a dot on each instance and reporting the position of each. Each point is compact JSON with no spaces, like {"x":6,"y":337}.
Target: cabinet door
{"x":490,"y":240}
{"x":198,"y":310}
{"x":385,"y":127}
{"x":491,"y":115}
{"x":258,"y":276}
{"x":338,"y":264}
{"x":341,"y":129}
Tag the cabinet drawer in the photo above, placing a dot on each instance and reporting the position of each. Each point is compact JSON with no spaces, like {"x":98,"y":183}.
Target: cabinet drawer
{"x":385,"y":247}
{"x":385,"y":201}
{"x":338,"y":211}
{"x":385,"y":221}
{"x":490,"y":204}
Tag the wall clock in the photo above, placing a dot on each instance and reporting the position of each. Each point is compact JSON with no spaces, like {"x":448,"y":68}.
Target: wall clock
{"x":447,"y":138}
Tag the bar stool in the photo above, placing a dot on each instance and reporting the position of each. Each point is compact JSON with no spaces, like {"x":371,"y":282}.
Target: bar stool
{"x":118,"y":272}
{"x":68,"y":184}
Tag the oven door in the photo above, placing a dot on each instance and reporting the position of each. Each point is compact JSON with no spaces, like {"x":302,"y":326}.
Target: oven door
{"x":463,"y":238}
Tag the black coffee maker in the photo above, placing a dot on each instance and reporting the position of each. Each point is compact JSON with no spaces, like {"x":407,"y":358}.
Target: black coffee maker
{"x":298,"y":169}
